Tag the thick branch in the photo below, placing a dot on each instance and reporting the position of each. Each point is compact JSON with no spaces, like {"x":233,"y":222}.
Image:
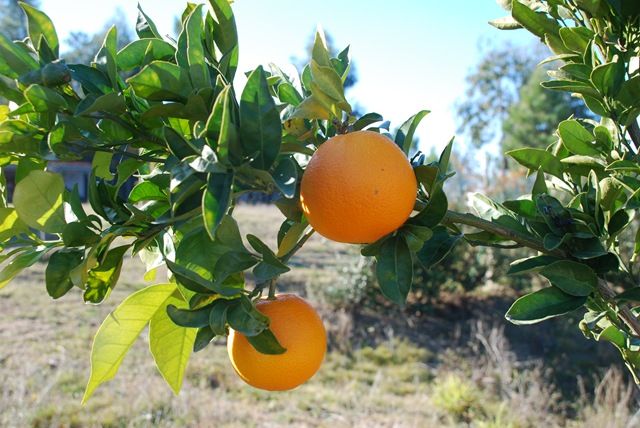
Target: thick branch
{"x":453,"y":217}
{"x":604,"y":289}
{"x":625,"y":312}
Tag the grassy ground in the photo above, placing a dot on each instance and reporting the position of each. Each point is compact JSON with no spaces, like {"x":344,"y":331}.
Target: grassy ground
{"x":451,"y":366}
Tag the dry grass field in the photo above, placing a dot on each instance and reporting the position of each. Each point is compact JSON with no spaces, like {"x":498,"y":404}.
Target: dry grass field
{"x":468,"y":375}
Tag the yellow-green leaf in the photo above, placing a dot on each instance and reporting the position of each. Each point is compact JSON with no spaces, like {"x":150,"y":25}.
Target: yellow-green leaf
{"x":170,"y":344}
{"x":38,"y":201}
{"x":120,"y":329}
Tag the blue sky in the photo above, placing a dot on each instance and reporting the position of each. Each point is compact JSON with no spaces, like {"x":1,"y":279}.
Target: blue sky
{"x":409,"y":54}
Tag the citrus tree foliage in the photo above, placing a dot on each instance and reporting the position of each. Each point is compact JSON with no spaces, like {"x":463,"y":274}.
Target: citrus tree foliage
{"x":194,"y":144}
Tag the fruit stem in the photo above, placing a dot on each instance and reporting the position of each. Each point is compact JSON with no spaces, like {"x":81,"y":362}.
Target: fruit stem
{"x":299,"y":245}
{"x":272,"y":290}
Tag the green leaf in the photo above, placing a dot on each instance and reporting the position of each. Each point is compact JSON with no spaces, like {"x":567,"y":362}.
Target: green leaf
{"x":15,"y":59}
{"x":243,"y":317}
{"x":184,"y":317}
{"x":120,"y":329}
{"x":44,"y":99}
{"x":38,"y":201}
{"x":285,"y":175}
{"x":260,"y":129}
{"x":162,"y":81}
{"x":329,"y":83}
{"x":216,"y":200}
{"x":608,"y":78}
{"x":366,"y":120}
{"x":40,"y":26}
{"x":577,"y":139}
{"x":618,"y":222}
{"x":541,"y":305}
{"x":404,"y":135}
{"x":218,"y":316}
{"x":170,"y":344}
{"x":228,"y":234}
{"x":220,"y":127}
{"x":437,"y":247}
{"x":505,"y":23}
{"x":537,"y":159}
{"x":112,"y":103}
{"x":536,"y":22}
{"x":291,"y":238}
{"x":312,"y":108}
{"x":232,"y":262}
{"x":145,"y":27}
{"x":139,"y":52}
{"x":193,"y":32}
{"x":394,"y":269}
{"x":20,"y":262}
{"x":105,"y":60}
{"x":434,"y":212}
{"x":227,"y":35}
{"x":78,"y":234}
{"x":530,"y":264}
{"x":266,"y":343}
{"x":58,"y":273}
{"x":319,"y":52}
{"x":575,"y":279}
{"x":204,"y":336}
{"x":576,"y":39}
{"x":103,"y":278}
{"x":10,"y":224}
{"x":271,"y":266}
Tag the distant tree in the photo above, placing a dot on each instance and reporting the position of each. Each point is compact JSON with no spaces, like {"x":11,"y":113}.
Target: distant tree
{"x":506,"y":103}
{"x":12,"y":22}
{"x":533,"y":119}
{"x":492,"y":88}
{"x":82,"y":47}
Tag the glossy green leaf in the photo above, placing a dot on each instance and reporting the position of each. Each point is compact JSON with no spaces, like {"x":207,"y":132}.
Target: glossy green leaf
{"x":119,"y":331}
{"x":216,"y":200}
{"x":19,"y":263}
{"x":530,"y":264}
{"x":541,"y":305}
{"x":437,"y":247}
{"x":608,"y":78}
{"x":10,"y":224}
{"x":44,"y":99}
{"x":536,"y":22}
{"x":577,"y":139}
{"x":575,"y":279}
{"x":162,"y":81}
{"x":394,"y":269}
{"x":243,"y":317}
{"x":58,"y":272}
{"x":137,"y":53}
{"x":38,"y":201}
{"x":261,"y":128}
{"x":535,"y":159}
{"x":204,"y":336}
{"x":40,"y":26}
{"x":184,"y":317}
{"x":404,"y":135}
{"x":266,"y":343}
{"x":105,"y":59}
{"x":103,"y":278}
{"x":15,"y":59}
{"x":285,"y":175}
{"x":145,"y":27}
{"x":232,"y":262}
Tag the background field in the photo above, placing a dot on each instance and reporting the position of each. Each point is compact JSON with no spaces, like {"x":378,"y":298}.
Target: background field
{"x":450,"y":362}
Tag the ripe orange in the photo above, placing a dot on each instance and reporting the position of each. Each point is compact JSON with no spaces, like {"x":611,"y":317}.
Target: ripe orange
{"x":357,"y":188}
{"x":299,"y":329}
